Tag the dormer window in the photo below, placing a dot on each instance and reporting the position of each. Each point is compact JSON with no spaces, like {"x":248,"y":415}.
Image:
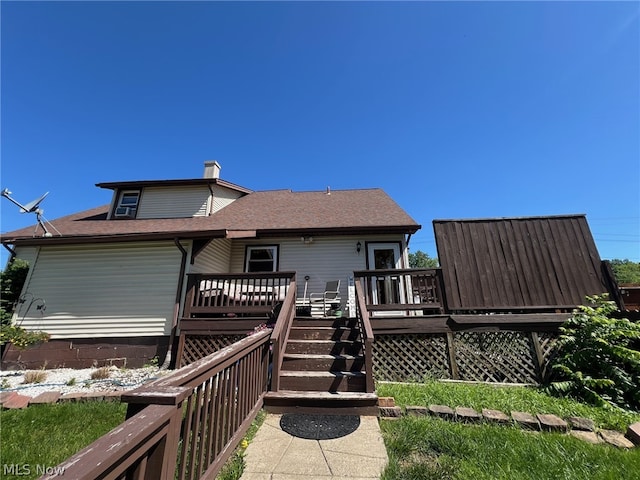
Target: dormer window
{"x":127,"y":206}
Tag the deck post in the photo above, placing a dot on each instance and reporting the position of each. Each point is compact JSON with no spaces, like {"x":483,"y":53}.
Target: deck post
{"x":452,"y":356}
{"x":161,"y":461}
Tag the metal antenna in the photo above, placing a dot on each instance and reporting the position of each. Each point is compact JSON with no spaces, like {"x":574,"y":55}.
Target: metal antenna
{"x":31,"y":207}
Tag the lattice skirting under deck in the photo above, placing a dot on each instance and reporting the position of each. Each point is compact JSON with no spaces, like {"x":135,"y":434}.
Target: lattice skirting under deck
{"x":195,"y":347}
{"x":503,"y":357}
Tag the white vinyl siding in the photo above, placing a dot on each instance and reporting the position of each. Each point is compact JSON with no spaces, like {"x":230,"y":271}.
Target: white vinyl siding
{"x":174,"y":202}
{"x":222,"y":197}
{"x":29,"y":254}
{"x":214,"y":258}
{"x":106,"y":290}
{"x":323,"y":260}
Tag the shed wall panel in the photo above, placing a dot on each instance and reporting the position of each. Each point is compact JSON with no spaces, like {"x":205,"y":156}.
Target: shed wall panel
{"x":110,"y":290}
{"x":518,"y":262}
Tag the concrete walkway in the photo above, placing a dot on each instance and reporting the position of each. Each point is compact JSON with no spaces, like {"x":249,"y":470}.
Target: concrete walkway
{"x":274,"y":454}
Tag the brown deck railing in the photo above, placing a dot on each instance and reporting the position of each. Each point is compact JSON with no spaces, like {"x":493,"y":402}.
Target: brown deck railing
{"x":220,"y":294}
{"x":366,"y":333}
{"x":280,"y":334}
{"x":402,"y":289}
{"x":184,"y":425}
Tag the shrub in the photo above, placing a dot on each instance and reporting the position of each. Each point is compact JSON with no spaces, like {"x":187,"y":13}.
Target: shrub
{"x":11,"y":282}
{"x":599,"y":357}
{"x":20,"y":337}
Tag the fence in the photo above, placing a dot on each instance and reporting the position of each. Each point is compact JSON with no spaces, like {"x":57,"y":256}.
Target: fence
{"x":486,"y":356}
{"x":184,"y":425}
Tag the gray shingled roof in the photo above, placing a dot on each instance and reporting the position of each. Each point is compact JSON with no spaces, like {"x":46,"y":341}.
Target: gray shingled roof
{"x":268,"y":212}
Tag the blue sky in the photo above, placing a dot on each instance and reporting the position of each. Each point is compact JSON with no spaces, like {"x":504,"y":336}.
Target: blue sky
{"x":457,"y":110}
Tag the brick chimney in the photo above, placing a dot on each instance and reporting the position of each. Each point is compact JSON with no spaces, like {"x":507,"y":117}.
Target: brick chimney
{"x":211,"y":169}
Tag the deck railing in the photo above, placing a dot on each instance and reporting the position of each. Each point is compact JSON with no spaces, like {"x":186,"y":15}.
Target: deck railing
{"x":184,"y":425}
{"x":402,"y":290}
{"x":235,"y":293}
{"x":366,"y":333}
{"x":280,"y":334}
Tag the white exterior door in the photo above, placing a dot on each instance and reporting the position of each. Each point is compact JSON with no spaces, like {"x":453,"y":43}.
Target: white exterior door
{"x":386,"y":289}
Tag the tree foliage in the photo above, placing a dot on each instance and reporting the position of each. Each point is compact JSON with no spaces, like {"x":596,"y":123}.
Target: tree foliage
{"x":599,"y":357}
{"x":421,"y":259}
{"x":626,"y":271}
{"x":11,"y":282}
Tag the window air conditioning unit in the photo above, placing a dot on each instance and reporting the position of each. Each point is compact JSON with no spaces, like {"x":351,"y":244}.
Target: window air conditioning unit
{"x":125,"y":212}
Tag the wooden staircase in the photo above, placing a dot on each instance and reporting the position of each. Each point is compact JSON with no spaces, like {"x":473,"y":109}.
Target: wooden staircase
{"x":323,"y":370}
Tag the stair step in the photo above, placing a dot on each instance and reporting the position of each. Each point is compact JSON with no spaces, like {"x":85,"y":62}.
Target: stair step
{"x":335,"y":403}
{"x":323,"y":333}
{"x":324,"y":347}
{"x":325,"y":322}
{"x":322,"y":381}
{"x":301,"y":361}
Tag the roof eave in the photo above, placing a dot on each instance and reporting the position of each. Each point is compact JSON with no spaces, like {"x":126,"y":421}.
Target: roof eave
{"x":172,"y":183}
{"x":357,"y":230}
{"x":129,"y":237}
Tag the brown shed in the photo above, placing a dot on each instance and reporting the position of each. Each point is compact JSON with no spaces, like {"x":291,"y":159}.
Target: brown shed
{"x":519,"y":264}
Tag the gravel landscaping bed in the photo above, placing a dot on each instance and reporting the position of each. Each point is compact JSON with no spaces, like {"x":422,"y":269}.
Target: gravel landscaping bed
{"x":68,"y":380}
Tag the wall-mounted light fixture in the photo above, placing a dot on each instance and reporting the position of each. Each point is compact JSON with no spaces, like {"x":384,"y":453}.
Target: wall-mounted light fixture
{"x":306,"y":240}
{"x":358,"y":247}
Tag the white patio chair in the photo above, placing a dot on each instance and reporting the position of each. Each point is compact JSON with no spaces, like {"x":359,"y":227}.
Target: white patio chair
{"x":328,"y":298}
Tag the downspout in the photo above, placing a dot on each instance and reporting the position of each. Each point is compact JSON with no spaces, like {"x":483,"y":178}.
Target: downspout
{"x":406,"y":250}
{"x":12,"y":253}
{"x":176,"y":310}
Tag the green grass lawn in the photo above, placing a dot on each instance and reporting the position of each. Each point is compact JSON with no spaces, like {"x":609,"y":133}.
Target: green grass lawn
{"x":418,"y":447}
{"x":42,"y":436}
{"x":431,"y":448}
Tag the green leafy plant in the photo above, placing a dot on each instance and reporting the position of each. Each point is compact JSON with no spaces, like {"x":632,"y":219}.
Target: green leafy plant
{"x":11,"y":282}
{"x":20,"y":337}
{"x":599,"y":357}
{"x":152,"y":362}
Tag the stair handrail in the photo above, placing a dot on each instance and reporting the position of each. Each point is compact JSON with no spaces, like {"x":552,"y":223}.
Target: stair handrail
{"x":280,"y":334}
{"x":366,"y":331}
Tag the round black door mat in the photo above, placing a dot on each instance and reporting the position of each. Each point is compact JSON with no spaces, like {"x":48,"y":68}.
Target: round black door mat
{"x":319,"y":427}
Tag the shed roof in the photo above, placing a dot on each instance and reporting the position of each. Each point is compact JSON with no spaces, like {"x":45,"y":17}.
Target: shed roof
{"x":277,"y":212}
{"x":518,"y":263}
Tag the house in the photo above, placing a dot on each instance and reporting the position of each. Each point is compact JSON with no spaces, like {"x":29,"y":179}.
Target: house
{"x":113,"y":280}
{"x":177,"y":269}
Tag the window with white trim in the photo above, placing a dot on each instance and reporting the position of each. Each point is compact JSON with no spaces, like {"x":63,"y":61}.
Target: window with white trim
{"x":261,"y":258}
{"x":127,"y":206}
